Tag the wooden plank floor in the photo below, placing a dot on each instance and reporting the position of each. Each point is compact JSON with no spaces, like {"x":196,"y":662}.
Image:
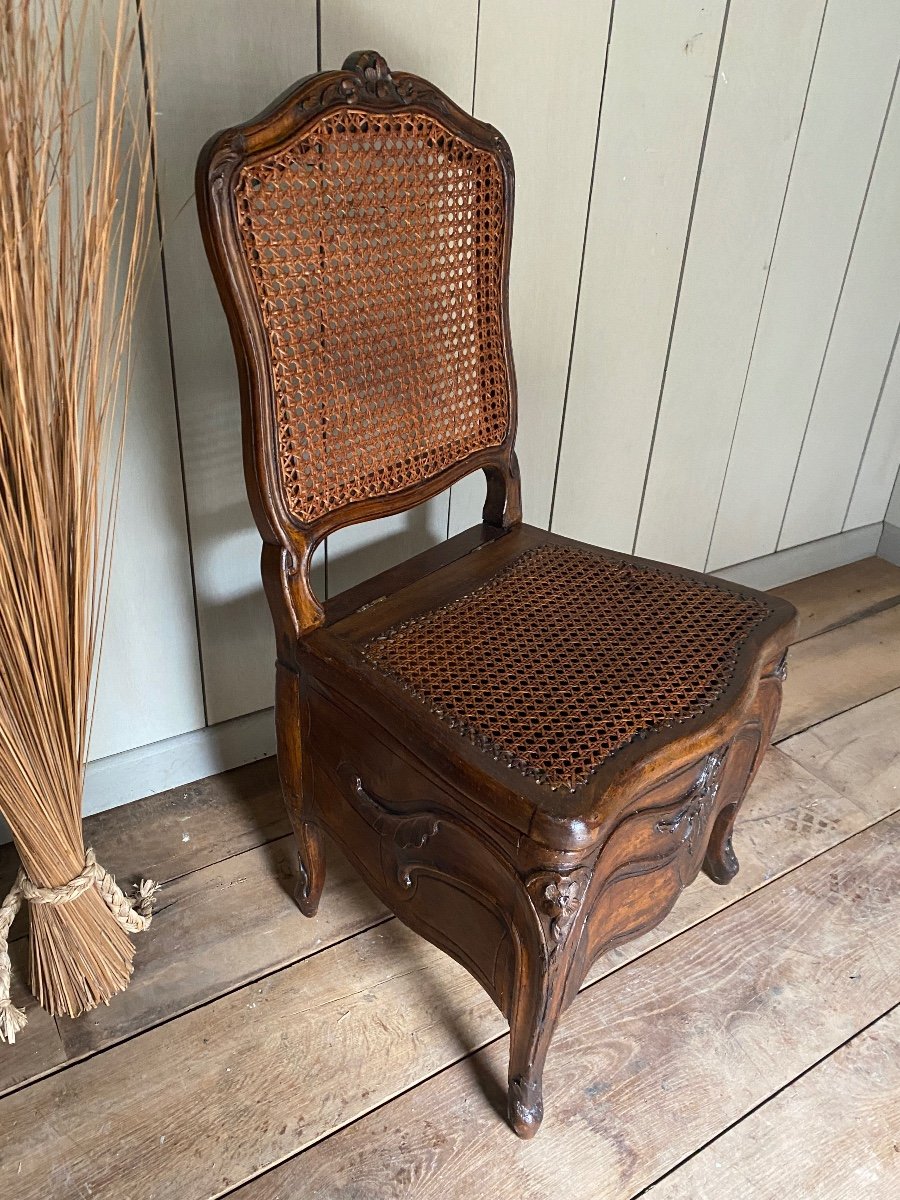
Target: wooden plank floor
{"x":748,"y":1047}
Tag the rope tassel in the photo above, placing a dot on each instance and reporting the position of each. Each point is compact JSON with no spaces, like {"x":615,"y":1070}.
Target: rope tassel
{"x":134,"y":916}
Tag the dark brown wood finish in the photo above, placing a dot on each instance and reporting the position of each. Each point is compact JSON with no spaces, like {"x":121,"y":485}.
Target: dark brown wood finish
{"x":523,"y":883}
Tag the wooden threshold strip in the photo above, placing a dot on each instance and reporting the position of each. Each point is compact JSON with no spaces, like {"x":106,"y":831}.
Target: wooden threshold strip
{"x":834,"y":672}
{"x":654,"y":1060}
{"x":844,"y":594}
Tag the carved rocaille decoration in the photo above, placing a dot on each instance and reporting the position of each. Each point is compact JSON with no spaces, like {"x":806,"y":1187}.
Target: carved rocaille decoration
{"x":548,"y":698}
{"x":408,"y":832}
{"x":688,"y":822}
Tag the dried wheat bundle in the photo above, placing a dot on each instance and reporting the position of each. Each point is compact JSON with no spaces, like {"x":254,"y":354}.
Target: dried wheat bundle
{"x":74,"y":232}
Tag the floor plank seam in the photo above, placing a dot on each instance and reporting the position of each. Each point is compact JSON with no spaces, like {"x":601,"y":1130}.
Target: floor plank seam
{"x":583,"y":991}
{"x":762,"y":1103}
{"x":246,"y":983}
{"x":62,"y":1067}
{"x":831,"y":716}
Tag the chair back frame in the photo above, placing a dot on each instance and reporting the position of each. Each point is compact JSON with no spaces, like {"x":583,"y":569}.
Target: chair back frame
{"x":365,"y":83}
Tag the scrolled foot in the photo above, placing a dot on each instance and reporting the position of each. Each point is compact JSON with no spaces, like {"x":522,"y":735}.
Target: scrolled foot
{"x":306,"y":901}
{"x":721,"y":864}
{"x":311,"y":869}
{"x":525,"y":1107}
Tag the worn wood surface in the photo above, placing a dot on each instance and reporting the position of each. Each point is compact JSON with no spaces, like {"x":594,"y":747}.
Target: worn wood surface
{"x":837,"y":670}
{"x":214,"y":930}
{"x":842,"y":595}
{"x":308,"y":1049}
{"x":308,"y":1046}
{"x":857,"y":752}
{"x":657,"y":1058}
{"x":854,"y":1094}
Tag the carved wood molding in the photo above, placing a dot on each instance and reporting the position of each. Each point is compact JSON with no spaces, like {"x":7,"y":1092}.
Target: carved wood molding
{"x":408,"y":832}
{"x":689,"y":821}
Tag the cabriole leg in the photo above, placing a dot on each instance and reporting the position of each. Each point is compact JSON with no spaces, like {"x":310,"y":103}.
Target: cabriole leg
{"x":530,"y":1034}
{"x":720,"y":863}
{"x":310,"y":841}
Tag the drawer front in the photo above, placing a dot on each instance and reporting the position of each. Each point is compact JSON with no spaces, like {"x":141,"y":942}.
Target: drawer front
{"x":654,"y":852}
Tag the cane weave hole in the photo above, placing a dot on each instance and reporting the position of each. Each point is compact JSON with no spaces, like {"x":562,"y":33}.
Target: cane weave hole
{"x":563,"y":657}
{"x":375,"y":244}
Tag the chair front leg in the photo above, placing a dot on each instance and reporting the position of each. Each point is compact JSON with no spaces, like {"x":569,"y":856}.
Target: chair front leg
{"x":308,"y":834}
{"x":546,"y":951}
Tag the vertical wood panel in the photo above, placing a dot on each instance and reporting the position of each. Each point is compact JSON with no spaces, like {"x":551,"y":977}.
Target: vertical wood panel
{"x":148,"y":686}
{"x":878,"y":468}
{"x":766,"y":62}
{"x":661,"y":62}
{"x":855,"y":363}
{"x":893,"y":509}
{"x":220,"y":62}
{"x":844,"y":115}
{"x":539,"y":78}
{"x":436,"y":40}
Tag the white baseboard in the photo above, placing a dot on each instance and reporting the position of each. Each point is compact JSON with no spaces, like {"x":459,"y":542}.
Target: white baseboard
{"x":889,"y":546}
{"x":181,"y":760}
{"x":174,"y":762}
{"x":784,"y":566}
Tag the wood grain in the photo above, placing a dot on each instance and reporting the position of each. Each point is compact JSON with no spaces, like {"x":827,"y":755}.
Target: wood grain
{"x":831,"y":1136}
{"x":835,"y":671}
{"x":655,"y":1060}
{"x":856,"y":752}
{"x":183,"y":829}
{"x":766,"y":60}
{"x":373,"y":1015}
{"x":215,"y":929}
{"x":836,"y":597}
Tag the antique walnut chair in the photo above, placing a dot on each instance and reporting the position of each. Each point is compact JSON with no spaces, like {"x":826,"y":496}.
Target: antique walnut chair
{"x":527,"y":746}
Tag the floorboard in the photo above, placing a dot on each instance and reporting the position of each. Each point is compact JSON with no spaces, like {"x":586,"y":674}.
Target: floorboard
{"x":835,"y":597}
{"x":835,"y":671}
{"x":652,"y":1062}
{"x":857,"y":752}
{"x":183,"y":829}
{"x":832,"y":1135}
{"x":308,"y":1049}
{"x":248,"y":1034}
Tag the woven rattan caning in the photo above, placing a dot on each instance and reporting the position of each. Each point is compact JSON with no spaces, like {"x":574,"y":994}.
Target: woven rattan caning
{"x":375,"y":245}
{"x":563,"y":657}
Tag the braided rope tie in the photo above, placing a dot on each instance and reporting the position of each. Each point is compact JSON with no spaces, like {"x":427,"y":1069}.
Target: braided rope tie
{"x":133,"y":915}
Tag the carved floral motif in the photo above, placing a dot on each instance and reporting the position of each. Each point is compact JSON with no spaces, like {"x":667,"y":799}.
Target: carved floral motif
{"x":558,"y":898}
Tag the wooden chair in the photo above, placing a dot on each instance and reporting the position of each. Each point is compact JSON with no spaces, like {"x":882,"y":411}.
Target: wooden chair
{"x":528,"y":746}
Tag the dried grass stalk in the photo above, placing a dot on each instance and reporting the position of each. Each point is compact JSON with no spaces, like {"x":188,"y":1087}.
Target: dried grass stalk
{"x":74,"y":233}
